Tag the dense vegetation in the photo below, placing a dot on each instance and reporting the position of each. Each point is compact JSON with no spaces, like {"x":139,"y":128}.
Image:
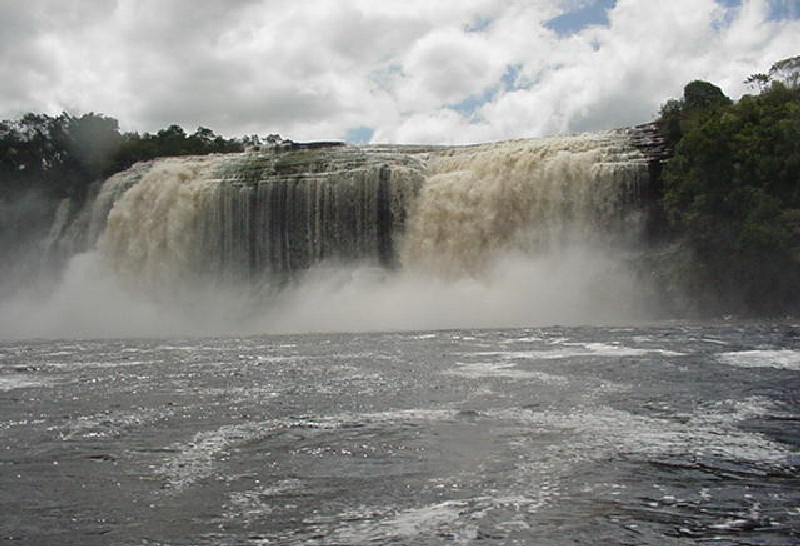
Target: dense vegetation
{"x":731,"y":193}
{"x":61,"y":156}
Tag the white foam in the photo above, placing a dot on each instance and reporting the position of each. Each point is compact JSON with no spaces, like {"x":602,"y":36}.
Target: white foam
{"x":195,"y":459}
{"x":606,"y":349}
{"x":523,"y":340}
{"x":406,"y":524}
{"x":459,"y":519}
{"x":109,"y":424}
{"x":577,"y":350}
{"x":501,"y":369}
{"x":102,"y":364}
{"x":585,"y":434}
{"x":256,"y":503}
{"x":709,"y":431}
{"x":21,"y":382}
{"x":730,"y":525}
{"x":783,"y":359}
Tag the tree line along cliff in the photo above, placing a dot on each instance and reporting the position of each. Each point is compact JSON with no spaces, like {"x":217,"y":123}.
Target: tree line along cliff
{"x":62,"y":155}
{"x":730,"y":194}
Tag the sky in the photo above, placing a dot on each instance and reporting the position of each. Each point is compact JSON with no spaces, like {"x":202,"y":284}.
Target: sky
{"x":390,"y":71}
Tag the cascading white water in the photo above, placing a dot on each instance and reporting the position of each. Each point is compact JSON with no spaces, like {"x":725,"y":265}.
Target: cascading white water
{"x":520,"y":195}
{"x":515,"y":233}
{"x":244,"y":218}
{"x":151,"y":238}
{"x":73,"y":232}
{"x":199,"y":215}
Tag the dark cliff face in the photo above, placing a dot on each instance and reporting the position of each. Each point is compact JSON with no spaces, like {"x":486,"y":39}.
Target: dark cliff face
{"x":649,"y":140}
{"x":301,"y":208}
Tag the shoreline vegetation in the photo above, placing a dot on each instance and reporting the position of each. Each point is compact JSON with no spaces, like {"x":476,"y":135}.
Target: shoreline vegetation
{"x":729,"y":196}
{"x":725,"y":207}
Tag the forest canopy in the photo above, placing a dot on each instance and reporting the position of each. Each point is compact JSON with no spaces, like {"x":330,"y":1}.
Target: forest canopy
{"x":62,"y":155}
{"x":731,"y":192}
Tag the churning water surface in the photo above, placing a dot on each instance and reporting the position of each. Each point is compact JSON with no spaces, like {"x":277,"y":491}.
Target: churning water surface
{"x":650,"y":435}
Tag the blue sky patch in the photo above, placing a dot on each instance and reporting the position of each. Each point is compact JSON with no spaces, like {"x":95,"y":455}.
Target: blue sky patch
{"x":508,"y":82}
{"x":593,"y":13}
{"x":510,"y":78}
{"x":479,"y":24}
{"x":781,"y":10}
{"x":359,"y":135}
{"x":731,"y":8}
{"x":468,"y":106}
{"x":384,"y":77}
{"x":777,"y":10}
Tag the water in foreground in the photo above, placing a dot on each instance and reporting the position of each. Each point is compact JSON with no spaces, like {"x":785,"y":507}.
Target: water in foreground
{"x":653,"y":435}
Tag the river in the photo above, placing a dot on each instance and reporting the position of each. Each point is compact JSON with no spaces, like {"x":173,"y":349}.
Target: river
{"x":665,"y":434}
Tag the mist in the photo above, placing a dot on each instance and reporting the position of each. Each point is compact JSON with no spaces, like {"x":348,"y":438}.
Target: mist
{"x":25,"y":219}
{"x":575,"y":285}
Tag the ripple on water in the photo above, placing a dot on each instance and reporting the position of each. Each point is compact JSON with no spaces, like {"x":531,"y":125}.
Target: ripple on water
{"x":109,"y":424}
{"x":194,"y":460}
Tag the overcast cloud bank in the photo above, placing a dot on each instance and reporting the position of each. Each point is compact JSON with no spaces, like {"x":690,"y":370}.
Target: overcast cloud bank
{"x":450,"y":71}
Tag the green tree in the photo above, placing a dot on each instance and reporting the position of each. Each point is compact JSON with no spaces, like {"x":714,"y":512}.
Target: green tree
{"x":93,"y":142}
{"x":702,"y":95}
{"x":732,"y":189}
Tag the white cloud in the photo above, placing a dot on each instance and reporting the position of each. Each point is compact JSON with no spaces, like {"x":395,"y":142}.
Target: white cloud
{"x":446,"y":67}
{"x":317,"y":68}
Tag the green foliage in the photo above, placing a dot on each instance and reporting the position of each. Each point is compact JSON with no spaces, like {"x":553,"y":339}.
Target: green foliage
{"x":62,"y":156}
{"x":57,"y":153}
{"x":702,"y":95}
{"x":172,"y":141}
{"x":92,"y":142}
{"x":784,"y":72}
{"x":732,"y":189}
{"x":679,"y":116}
{"x":669,"y":121}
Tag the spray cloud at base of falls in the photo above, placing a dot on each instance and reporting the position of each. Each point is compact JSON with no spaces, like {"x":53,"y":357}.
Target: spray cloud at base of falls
{"x":526,"y":232}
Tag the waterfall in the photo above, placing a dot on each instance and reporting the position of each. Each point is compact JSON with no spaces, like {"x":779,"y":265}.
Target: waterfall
{"x":524,"y":195}
{"x":259,"y":215}
{"x":77,"y":229}
{"x":312,"y":238}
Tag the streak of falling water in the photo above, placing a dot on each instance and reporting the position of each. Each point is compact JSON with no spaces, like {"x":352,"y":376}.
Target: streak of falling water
{"x":526,"y":196}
